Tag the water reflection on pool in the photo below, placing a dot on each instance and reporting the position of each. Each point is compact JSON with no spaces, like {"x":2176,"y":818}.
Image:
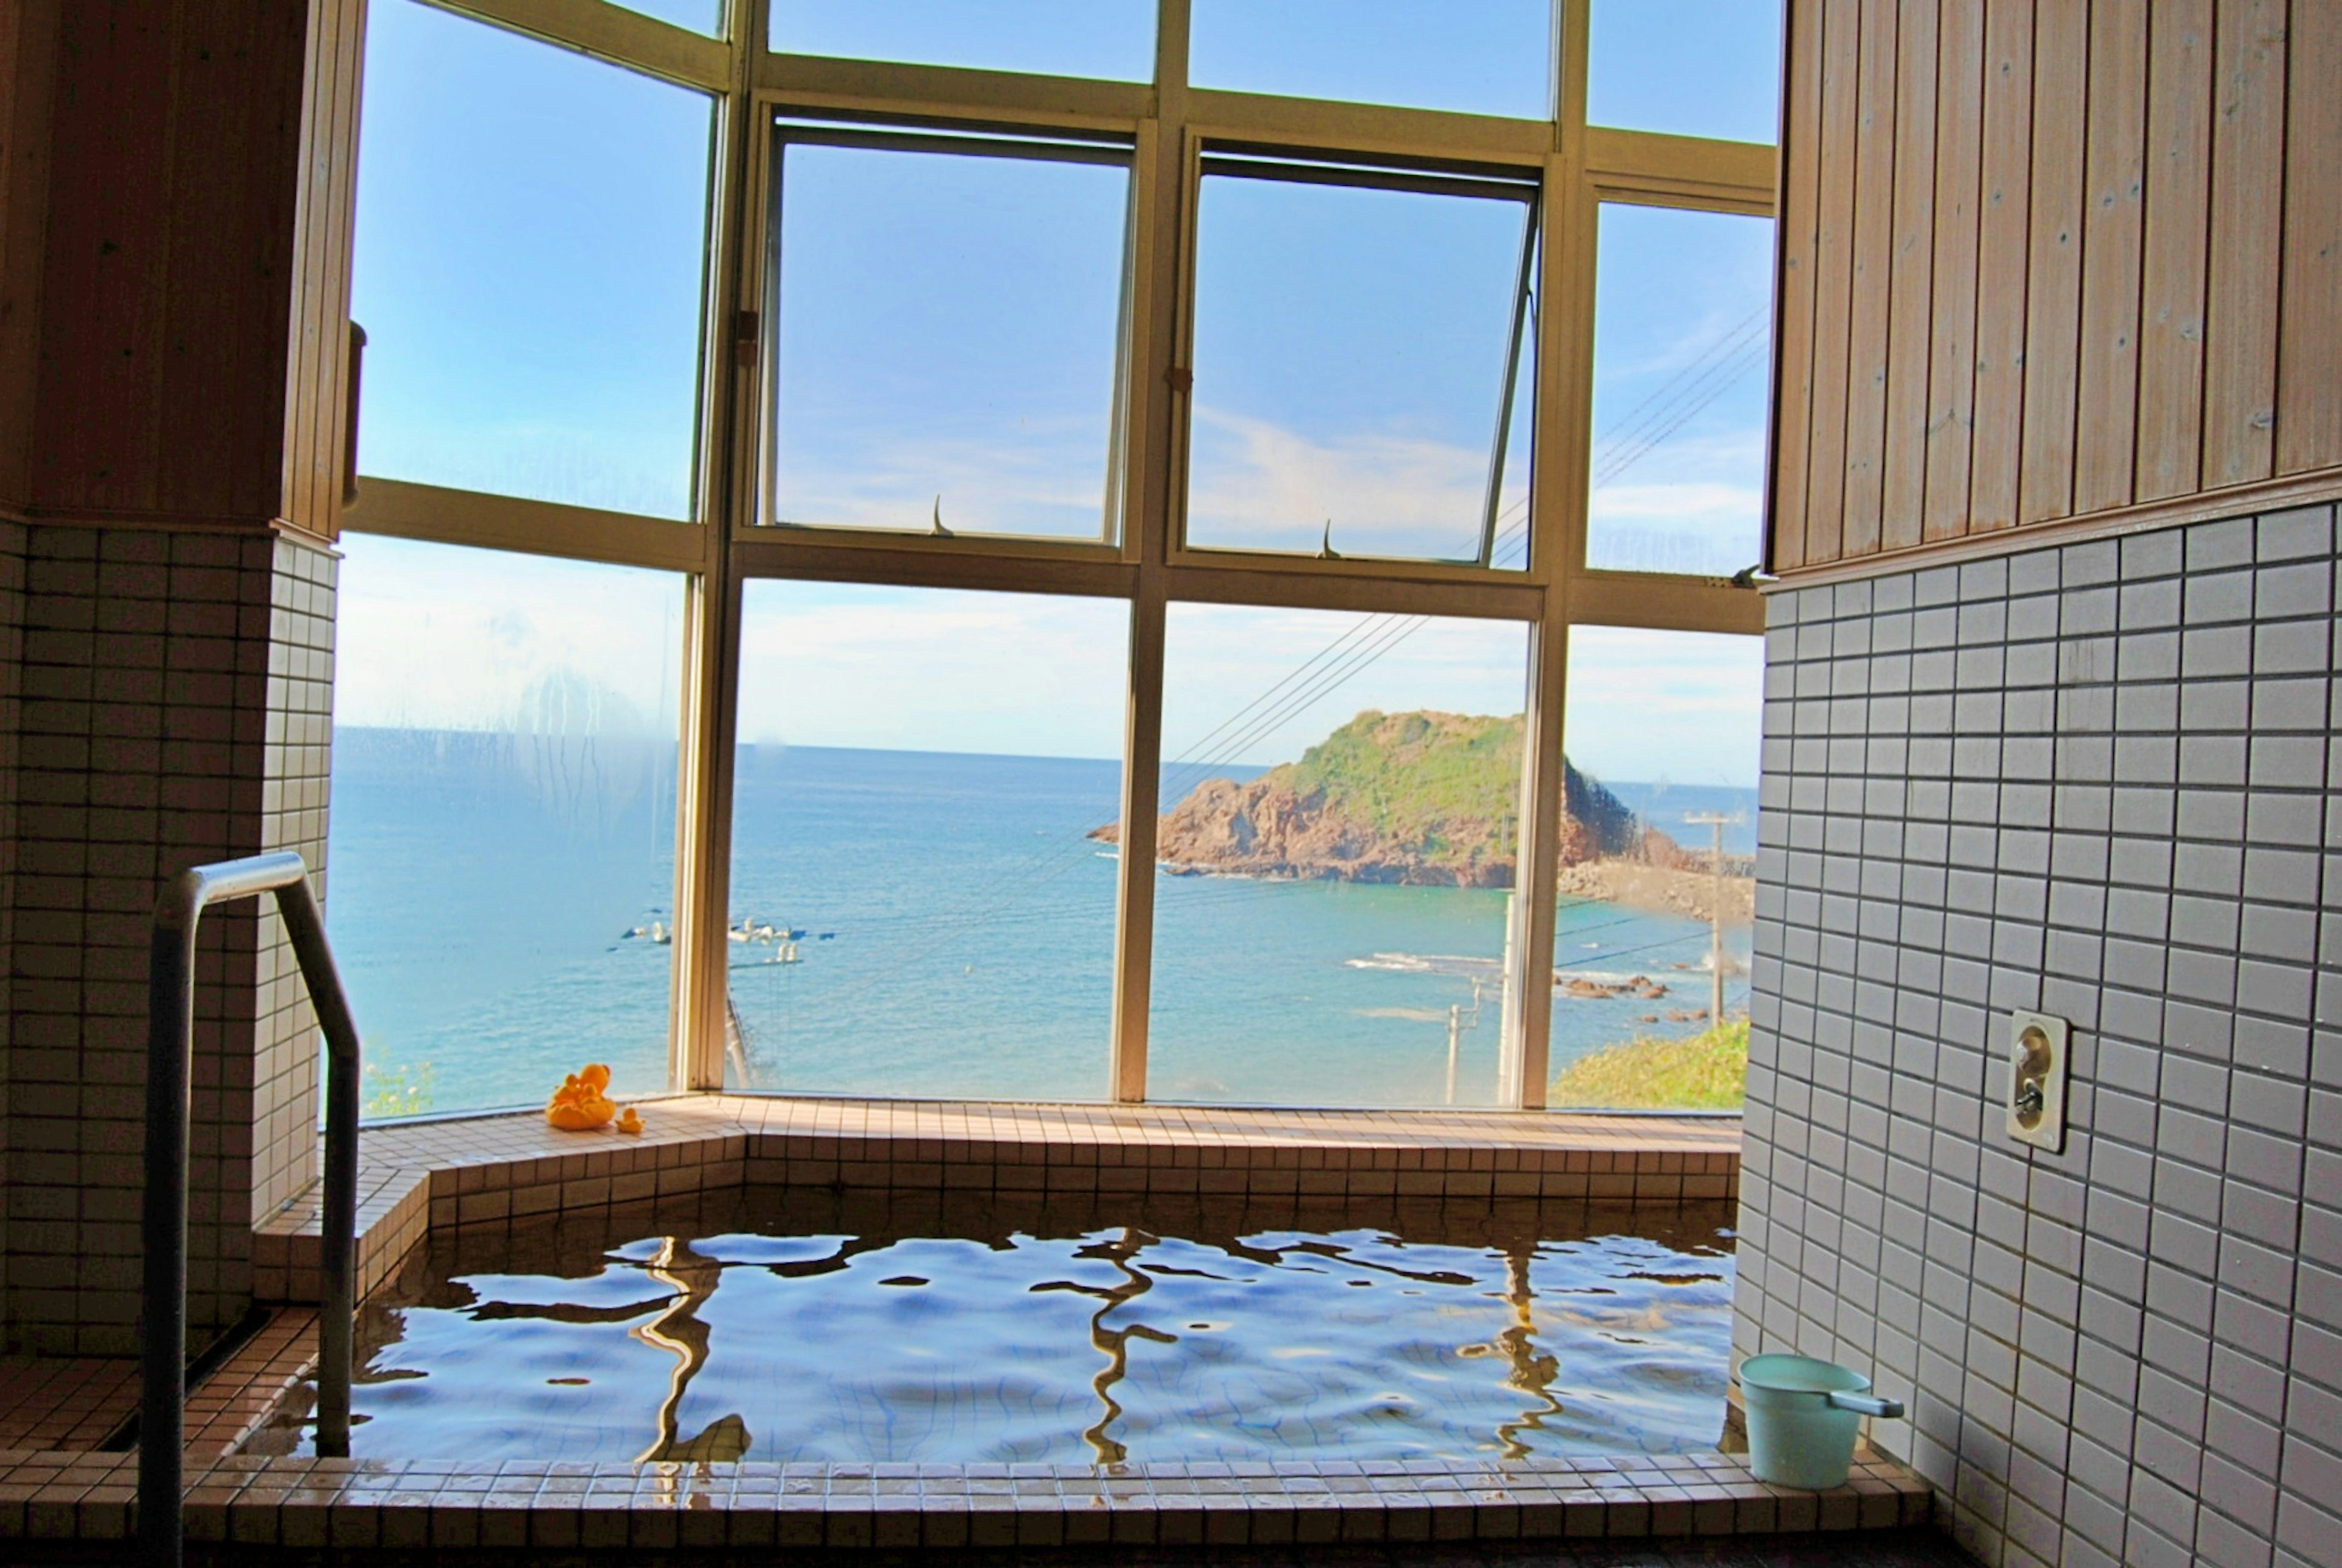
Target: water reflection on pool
{"x":948,"y":1329}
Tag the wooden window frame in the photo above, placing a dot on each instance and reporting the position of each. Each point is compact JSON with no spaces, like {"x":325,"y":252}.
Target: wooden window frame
{"x":1166,"y":123}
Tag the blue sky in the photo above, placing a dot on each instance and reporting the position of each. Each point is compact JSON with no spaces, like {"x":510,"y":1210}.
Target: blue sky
{"x":947,"y":327}
{"x":531,"y":233}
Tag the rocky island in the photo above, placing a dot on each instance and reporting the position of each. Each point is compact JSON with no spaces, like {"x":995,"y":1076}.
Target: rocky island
{"x":1420,"y":799}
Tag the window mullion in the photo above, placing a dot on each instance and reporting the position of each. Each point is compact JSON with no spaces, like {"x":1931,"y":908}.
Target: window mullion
{"x":1150,"y":432}
{"x":711,"y":656}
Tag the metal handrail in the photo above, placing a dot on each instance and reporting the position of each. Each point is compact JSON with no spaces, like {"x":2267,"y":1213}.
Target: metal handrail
{"x":170,"y":1034}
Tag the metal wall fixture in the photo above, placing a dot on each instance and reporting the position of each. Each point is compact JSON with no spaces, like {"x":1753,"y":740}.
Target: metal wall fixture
{"x":170,"y":1038}
{"x":2036,"y":1080}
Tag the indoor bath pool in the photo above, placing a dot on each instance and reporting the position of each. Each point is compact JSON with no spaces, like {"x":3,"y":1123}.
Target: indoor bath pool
{"x":811,"y":1326}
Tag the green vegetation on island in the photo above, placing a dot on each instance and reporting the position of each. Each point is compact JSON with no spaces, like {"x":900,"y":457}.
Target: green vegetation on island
{"x":1421,"y":798}
{"x":1703,"y":1071}
{"x":1445,"y":785}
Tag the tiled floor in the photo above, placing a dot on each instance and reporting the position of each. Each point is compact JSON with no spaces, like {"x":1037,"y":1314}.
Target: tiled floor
{"x":1916,"y":1548}
{"x":73,"y":1406}
{"x":539,"y":1506}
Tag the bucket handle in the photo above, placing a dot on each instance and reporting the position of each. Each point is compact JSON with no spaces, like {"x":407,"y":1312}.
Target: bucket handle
{"x":1866,"y":1404}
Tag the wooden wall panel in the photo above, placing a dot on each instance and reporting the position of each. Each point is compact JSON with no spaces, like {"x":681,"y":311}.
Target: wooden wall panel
{"x":317,"y":367}
{"x":2003,"y":221}
{"x":2053,"y":284}
{"x":28,"y":37}
{"x":2240,"y":318}
{"x":1951,"y":357}
{"x":2310,"y":346}
{"x":1825,"y":520}
{"x":1872,"y":262}
{"x":2177,"y":219}
{"x":2106,"y":422}
{"x":1793,"y":385}
{"x":1910,"y":288}
{"x":169,"y":263}
{"x":2108,"y":284}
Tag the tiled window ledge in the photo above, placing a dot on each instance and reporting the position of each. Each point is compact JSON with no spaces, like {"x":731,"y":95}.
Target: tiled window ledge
{"x":418,"y":1175}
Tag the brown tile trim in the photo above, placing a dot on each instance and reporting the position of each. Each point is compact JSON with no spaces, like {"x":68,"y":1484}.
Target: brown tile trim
{"x":2280,"y":493}
{"x":483,"y":1170}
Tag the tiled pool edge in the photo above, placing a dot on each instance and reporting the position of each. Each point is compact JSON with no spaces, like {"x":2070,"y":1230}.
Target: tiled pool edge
{"x":494,"y":1170}
{"x":321,"y":1504}
{"x":421,"y":1175}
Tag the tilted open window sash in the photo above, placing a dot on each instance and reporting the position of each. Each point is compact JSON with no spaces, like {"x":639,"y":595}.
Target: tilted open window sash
{"x":1360,"y":337}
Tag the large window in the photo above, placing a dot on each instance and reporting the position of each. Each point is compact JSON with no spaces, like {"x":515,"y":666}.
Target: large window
{"x":1340,"y":856}
{"x":1172,"y":549}
{"x":947,"y":324}
{"x":502,"y":832}
{"x":1359,"y":362}
{"x":530,"y":248}
{"x":923,"y":905}
{"x":1653,"y":931}
{"x":1682,"y":337}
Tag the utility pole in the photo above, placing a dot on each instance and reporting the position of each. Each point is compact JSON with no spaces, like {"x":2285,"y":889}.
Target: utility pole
{"x":1715,"y":820}
{"x":1455,"y":1041}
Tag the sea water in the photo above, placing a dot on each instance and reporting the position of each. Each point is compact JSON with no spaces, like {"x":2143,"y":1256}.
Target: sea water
{"x":919,"y":923}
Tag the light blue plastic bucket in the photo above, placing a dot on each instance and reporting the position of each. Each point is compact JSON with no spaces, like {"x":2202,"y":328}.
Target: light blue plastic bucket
{"x":1802,"y":1417}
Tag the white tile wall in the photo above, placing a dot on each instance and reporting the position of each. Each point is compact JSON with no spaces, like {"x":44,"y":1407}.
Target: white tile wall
{"x":170,"y":714}
{"x":2098,"y":780}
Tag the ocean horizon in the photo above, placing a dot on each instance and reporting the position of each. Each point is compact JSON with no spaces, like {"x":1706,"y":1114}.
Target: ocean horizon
{"x":920,"y":924}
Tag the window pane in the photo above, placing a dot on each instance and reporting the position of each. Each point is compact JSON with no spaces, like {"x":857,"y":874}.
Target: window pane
{"x":502,"y":837}
{"x":1663,"y":729}
{"x":1343,"y":797}
{"x":531,"y":240}
{"x":1109,"y":38}
{"x":1682,"y":337}
{"x":1490,"y":57}
{"x":947,"y":341}
{"x":1351,"y":349}
{"x":1689,"y":67}
{"x":918,"y":907}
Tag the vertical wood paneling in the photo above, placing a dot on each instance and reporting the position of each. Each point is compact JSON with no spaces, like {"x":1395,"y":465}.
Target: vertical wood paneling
{"x":1833,"y":280}
{"x":2053,"y":283}
{"x":2108,"y":275}
{"x":28,"y":35}
{"x":318,"y":364}
{"x":301,"y":357}
{"x":1911,"y":285}
{"x":1874,"y":247}
{"x":2179,"y":210}
{"x":1951,"y":365}
{"x":2240,"y":324}
{"x":2106,"y":401}
{"x":2309,"y":347}
{"x":168,"y":260}
{"x":1793,"y":385}
{"x":2001,"y":257}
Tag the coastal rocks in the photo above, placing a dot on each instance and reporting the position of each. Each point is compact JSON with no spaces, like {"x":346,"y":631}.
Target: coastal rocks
{"x":1582,"y":988}
{"x":1418,"y":799}
{"x":1265,"y":828}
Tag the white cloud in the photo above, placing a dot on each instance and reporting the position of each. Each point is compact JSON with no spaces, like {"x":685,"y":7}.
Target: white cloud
{"x":1687,"y":707}
{"x":1258,"y":484}
{"x":1039,"y":477}
{"x":933,"y":669}
{"x":432,"y":636}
